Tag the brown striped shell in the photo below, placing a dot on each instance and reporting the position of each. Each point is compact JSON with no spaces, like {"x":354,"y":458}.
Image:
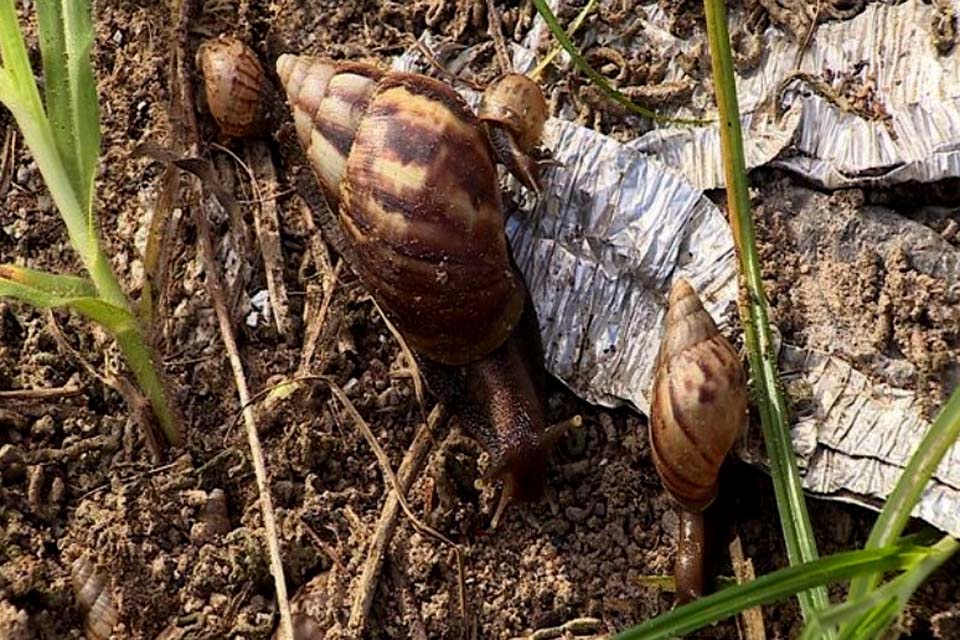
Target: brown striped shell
{"x":235,"y":85}
{"x":699,"y":406}
{"x":412,"y":171}
{"x":92,"y":589}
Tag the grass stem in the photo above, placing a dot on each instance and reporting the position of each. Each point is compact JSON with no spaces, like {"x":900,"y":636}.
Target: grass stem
{"x":797,"y":530}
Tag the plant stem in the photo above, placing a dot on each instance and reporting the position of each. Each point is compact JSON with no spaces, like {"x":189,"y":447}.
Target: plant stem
{"x":797,"y":530}
{"x":923,"y":463}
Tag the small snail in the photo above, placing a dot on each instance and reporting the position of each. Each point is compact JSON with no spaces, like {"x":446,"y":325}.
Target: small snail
{"x":698,"y":411}
{"x":513,"y":111}
{"x":236,"y":87}
{"x":92,"y":589}
{"x":411,"y":173}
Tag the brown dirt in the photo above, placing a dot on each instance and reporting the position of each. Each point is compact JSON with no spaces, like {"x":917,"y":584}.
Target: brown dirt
{"x":81,"y":484}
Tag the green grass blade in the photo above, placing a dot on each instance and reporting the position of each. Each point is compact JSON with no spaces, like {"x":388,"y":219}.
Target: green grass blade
{"x":923,"y":463}
{"x":595,"y":76}
{"x":66,"y":37}
{"x":577,"y":22}
{"x":114,"y":319}
{"x":775,"y":586}
{"x":797,"y":530}
{"x":878,"y":609}
{"x":61,"y":286}
{"x":13,"y":58}
{"x":78,"y":30}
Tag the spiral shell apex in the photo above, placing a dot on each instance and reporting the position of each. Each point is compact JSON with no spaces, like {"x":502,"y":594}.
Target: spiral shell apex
{"x":699,"y":406}
{"x":236,"y":86}
{"x":412,"y":172}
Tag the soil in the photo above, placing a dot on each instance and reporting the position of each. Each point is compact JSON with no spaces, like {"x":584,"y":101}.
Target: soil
{"x":179,"y":559}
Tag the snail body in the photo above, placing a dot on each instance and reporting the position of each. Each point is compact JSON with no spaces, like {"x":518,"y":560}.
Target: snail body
{"x":412,"y":176}
{"x":698,"y":411}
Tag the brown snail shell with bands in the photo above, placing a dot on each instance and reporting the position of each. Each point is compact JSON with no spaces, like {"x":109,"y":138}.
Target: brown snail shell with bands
{"x":698,"y":411}
{"x":236,"y":86}
{"x":699,"y":406}
{"x":413,"y":174}
{"x":410,"y":172}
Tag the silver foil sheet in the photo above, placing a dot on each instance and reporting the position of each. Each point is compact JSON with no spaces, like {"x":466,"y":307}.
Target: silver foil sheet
{"x":884,"y":60}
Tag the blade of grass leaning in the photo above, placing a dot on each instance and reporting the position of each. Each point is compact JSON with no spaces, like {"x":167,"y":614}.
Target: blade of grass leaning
{"x":577,"y":22}
{"x":62,"y":286}
{"x":870,"y":615}
{"x":595,"y":76}
{"x":797,"y":530}
{"x":943,"y":433}
{"x":777,"y":586}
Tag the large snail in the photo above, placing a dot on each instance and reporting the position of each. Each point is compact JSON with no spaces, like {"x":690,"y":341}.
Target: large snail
{"x":699,"y":409}
{"x":410,"y":171}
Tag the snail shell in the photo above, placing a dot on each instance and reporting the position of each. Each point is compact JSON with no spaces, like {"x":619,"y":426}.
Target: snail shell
{"x":92,"y":589}
{"x":514,"y":111}
{"x":413,"y":174}
{"x":236,"y":86}
{"x":517,"y":103}
{"x":699,"y":405}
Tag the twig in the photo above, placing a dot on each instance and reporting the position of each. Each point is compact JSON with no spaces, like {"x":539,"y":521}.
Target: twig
{"x":386,"y":525}
{"x":138,"y":404}
{"x":412,"y":367}
{"x":184,"y":90}
{"x":36,"y":395}
{"x":743,"y":569}
{"x":215,"y":290}
{"x":7,"y":153}
{"x":316,"y":322}
{"x":577,"y":626}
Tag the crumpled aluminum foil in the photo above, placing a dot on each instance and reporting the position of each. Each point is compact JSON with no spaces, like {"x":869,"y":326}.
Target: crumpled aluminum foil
{"x":600,"y":250}
{"x":887,"y":53}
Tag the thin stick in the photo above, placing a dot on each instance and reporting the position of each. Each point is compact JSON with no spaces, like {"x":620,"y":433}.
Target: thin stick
{"x":215,"y":290}
{"x":34,"y":395}
{"x":184,"y":90}
{"x":315,"y":325}
{"x":266,"y":222}
{"x":412,"y":365}
{"x":743,"y":570}
{"x":410,"y":468}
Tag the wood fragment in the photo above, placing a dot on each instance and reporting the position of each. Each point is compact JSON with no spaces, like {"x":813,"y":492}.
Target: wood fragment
{"x":412,"y":369}
{"x":8,"y":151}
{"x":743,"y":570}
{"x":267,"y":224}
